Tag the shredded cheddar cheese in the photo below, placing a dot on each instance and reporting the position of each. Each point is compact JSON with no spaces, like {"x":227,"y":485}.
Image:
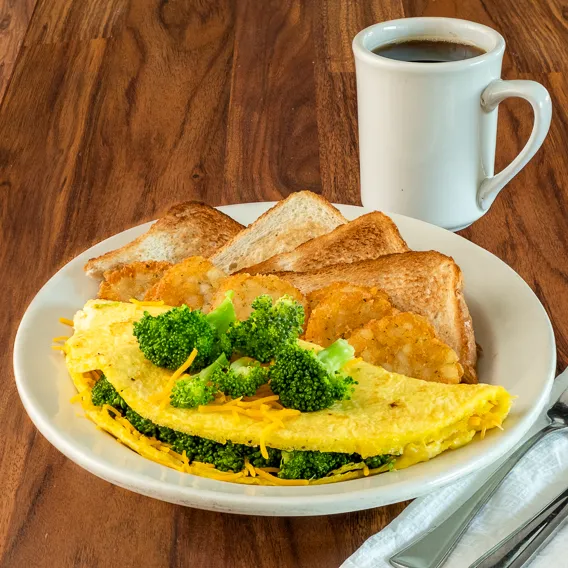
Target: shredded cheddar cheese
{"x":250,"y":469}
{"x":111,"y":409}
{"x":267,"y":430}
{"x":162,"y":398}
{"x":260,"y":409}
{"x":258,"y":401}
{"x":140,"y":303}
{"x":60,"y":338}
{"x":185,"y":461}
{"x":366,"y":470}
{"x":277,"y":480}
{"x":221,"y":476}
{"x":66,"y":321}
{"x":58,"y":347}
{"x":201,"y":464}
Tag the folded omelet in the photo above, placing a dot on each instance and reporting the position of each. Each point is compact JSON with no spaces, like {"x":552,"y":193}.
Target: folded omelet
{"x":388,"y":413}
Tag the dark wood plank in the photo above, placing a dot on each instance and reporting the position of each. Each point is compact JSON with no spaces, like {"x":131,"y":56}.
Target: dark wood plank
{"x":15,"y":16}
{"x":31,"y":205}
{"x":335,"y":25}
{"x":58,"y":22}
{"x":158,"y":127}
{"x":272,"y":142}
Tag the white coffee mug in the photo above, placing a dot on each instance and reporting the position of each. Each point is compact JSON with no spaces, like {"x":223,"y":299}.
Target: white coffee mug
{"x":427,"y":131}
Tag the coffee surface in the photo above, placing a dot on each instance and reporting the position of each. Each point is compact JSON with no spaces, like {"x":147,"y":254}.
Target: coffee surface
{"x":428,"y":51}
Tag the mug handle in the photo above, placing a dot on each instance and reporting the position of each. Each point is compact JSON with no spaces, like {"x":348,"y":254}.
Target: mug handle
{"x":538,"y":97}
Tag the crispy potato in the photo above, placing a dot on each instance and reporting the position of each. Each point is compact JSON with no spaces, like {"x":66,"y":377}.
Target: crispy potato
{"x":192,"y":281}
{"x":316,"y":296}
{"x":406,"y":343}
{"x":131,"y":280}
{"x":247,"y":288}
{"x":340,"y":308}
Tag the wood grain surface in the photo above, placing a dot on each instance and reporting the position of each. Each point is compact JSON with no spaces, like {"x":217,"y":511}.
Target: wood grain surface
{"x":114,"y":109}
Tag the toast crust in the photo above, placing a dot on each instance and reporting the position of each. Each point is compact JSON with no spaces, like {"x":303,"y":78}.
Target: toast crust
{"x":187,"y":229}
{"x":427,"y":283}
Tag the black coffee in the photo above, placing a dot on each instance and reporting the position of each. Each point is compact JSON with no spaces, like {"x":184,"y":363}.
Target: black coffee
{"x":428,"y":51}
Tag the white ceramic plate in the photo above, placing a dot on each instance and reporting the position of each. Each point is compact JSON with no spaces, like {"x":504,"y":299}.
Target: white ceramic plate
{"x":510,"y":324}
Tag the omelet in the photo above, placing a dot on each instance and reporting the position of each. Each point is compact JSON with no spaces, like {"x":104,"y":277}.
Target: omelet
{"x":388,"y":413}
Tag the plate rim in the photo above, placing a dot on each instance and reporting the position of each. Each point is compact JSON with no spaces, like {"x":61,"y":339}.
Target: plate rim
{"x":206,"y":498}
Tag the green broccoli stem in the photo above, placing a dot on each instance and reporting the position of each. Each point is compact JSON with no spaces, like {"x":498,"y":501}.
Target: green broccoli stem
{"x":223,"y":315}
{"x":195,"y":390}
{"x":336,"y":355}
{"x":243,"y":362}
{"x":206,"y":374}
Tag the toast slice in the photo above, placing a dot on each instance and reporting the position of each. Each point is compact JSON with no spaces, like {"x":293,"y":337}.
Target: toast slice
{"x":187,"y":229}
{"x":367,"y":237}
{"x":427,"y":283}
{"x":302,"y":216}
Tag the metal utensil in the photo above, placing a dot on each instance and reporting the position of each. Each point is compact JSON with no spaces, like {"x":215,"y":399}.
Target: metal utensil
{"x":432,"y":549}
{"x":516,"y":550}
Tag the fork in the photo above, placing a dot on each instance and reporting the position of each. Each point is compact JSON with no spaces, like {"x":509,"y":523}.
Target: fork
{"x":432,"y":549}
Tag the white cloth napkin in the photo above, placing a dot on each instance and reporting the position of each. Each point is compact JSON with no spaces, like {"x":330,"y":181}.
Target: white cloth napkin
{"x":539,"y":477}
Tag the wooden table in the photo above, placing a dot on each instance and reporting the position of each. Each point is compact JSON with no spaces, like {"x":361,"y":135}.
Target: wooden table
{"x":114,"y":109}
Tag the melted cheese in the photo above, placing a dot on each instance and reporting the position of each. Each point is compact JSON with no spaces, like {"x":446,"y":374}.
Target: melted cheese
{"x":139,"y":303}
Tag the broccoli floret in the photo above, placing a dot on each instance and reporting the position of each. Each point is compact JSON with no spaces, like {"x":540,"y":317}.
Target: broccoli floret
{"x":311,"y":465}
{"x":308,"y":381}
{"x":256,"y":459}
{"x":165,"y":434}
{"x":242,"y":378}
{"x":104,"y":393}
{"x":225,"y":457}
{"x":269,"y":327}
{"x":168,"y":339}
{"x":229,"y":457}
{"x":223,"y":315}
{"x":198,"y":389}
{"x":143,"y":425}
{"x":378,"y":461}
{"x":314,"y":465}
